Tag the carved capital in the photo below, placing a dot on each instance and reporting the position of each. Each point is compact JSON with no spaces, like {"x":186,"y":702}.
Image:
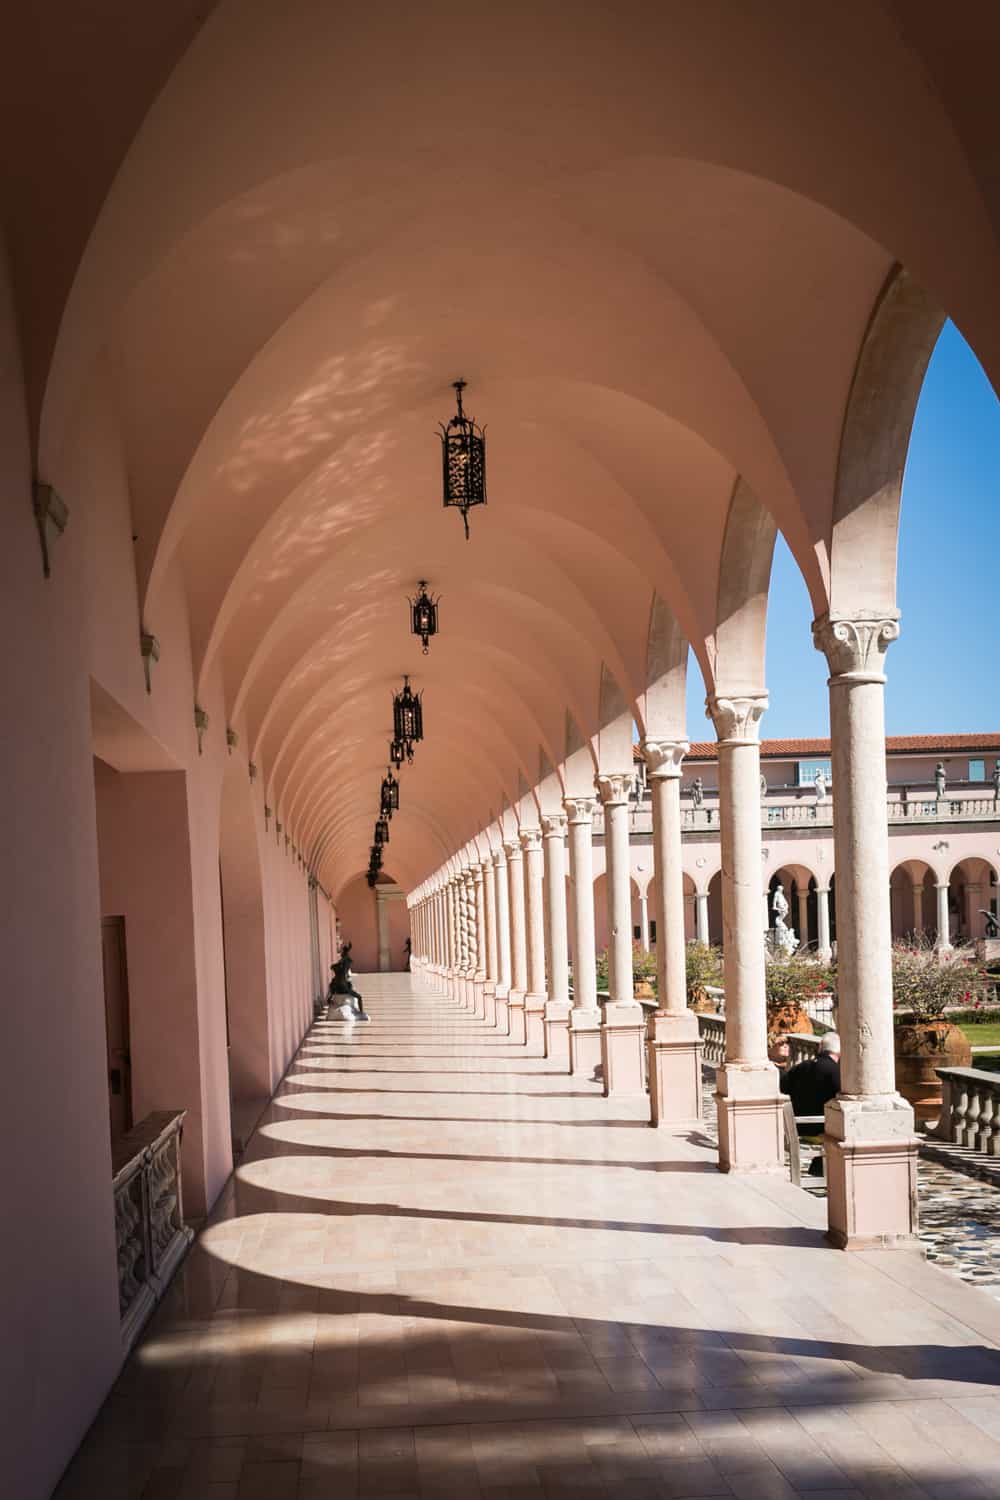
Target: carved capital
{"x":579,"y":810}
{"x":663,"y":758}
{"x":614,"y":788}
{"x":497,"y":856}
{"x":737,"y":720}
{"x":531,"y":840}
{"x":554,"y":825}
{"x":477,"y":873}
{"x":855,"y":648}
{"x":512,"y":848}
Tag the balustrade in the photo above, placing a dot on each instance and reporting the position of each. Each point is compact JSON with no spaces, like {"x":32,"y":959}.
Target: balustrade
{"x":970,"y":1109}
{"x":149,"y":1215}
{"x":713,"y":1039}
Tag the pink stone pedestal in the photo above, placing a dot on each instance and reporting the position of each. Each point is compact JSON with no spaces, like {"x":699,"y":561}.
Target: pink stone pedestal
{"x":871,"y":1173}
{"x":490,"y":1003}
{"x":622,"y":1036}
{"x":584,"y":1043}
{"x":751,"y":1130}
{"x":557,"y":1014}
{"x":534,"y":1023}
{"x":673,"y":1061}
{"x":502,"y":997}
{"x":515,"y":1010}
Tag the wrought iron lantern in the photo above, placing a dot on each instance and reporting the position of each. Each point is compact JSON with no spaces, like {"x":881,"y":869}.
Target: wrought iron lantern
{"x":382,"y":831}
{"x":424,"y":615}
{"x":397,"y":752}
{"x":408,"y":717}
{"x":463,"y":445}
{"x":372,"y":878}
{"x":389,"y":799}
{"x":375,"y":858}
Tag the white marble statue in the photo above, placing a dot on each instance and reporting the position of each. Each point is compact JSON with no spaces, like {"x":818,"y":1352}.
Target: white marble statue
{"x":784,"y":937}
{"x":820,"y":783}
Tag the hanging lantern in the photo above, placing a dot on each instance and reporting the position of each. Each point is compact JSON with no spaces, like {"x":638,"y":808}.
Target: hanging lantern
{"x":382,"y":831}
{"x":372,"y":879}
{"x":390,"y":795}
{"x":463,"y":446}
{"x":408,"y":717}
{"x":424,"y":615}
{"x":375,"y":858}
{"x":397,"y":753}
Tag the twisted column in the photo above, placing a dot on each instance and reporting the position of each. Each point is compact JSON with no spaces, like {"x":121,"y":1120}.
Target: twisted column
{"x":870,"y":1145}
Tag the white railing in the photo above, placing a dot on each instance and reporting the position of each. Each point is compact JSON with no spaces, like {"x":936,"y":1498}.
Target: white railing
{"x":970,"y":1109}
{"x":149,"y":1215}
{"x":807,"y":813}
{"x":713,"y":1039}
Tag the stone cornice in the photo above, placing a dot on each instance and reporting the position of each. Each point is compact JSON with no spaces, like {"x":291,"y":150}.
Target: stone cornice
{"x":855,"y":646}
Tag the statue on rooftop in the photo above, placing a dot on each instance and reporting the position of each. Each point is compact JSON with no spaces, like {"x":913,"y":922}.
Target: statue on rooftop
{"x":820,"y":783}
{"x":697,"y":791}
{"x":940,"y":782}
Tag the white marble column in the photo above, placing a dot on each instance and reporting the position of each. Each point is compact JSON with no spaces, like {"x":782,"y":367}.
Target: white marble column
{"x":585,"y":1017}
{"x":943,"y":942}
{"x":673,"y":1044}
{"x":451,"y":893}
{"x":479,"y":977}
{"x":803,"y":900}
{"x":557,"y":1006}
{"x":492,"y":950}
{"x":518,"y":942}
{"x":747,"y":1095}
{"x":503,"y":941}
{"x":824,"y":948}
{"x":871,"y":1150}
{"x":644,"y":942}
{"x":471,"y":937}
{"x":918,"y":906}
{"x":382,"y":929}
{"x":623,"y":1026}
{"x":534,"y":928}
{"x":701,"y":916}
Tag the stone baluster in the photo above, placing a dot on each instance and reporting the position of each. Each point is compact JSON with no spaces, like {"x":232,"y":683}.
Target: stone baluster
{"x":871,"y":1150}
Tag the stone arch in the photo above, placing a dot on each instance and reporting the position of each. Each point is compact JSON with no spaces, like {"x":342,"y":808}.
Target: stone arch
{"x":973,"y":890}
{"x":912,"y":886}
{"x":799,"y":884}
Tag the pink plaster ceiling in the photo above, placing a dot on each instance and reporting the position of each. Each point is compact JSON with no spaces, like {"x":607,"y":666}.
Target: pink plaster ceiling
{"x":651,"y":237}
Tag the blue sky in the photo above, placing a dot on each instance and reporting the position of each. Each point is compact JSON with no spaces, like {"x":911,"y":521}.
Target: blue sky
{"x":944,"y":671}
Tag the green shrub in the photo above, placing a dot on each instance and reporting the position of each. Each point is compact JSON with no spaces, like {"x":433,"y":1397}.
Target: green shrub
{"x":704,"y":967}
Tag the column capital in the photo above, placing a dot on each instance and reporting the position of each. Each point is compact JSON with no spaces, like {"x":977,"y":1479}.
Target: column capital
{"x":613,"y":787}
{"x":479,"y":871}
{"x":531,"y":839}
{"x":512,"y":848}
{"x":554,"y":825}
{"x":663,"y":758}
{"x":855,"y":645}
{"x":736,"y":720}
{"x":496,"y":858}
{"x":579,"y":809}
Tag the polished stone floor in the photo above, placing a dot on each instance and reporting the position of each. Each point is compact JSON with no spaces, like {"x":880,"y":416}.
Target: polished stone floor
{"x":443,"y":1269}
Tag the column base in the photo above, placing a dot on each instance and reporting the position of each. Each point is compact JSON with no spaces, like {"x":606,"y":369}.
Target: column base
{"x":515,"y":1016}
{"x":534,"y":1022}
{"x":585,"y":1043}
{"x":673,"y":1062}
{"x":871,"y":1174}
{"x":557,"y":1013}
{"x":622,"y":1036}
{"x":478,"y":995}
{"x":502,"y":997}
{"x":751,"y":1128}
{"x":490,"y":1003}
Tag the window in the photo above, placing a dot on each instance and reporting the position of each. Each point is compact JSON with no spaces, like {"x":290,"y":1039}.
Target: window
{"x":807,"y":771}
{"x":977,"y":770}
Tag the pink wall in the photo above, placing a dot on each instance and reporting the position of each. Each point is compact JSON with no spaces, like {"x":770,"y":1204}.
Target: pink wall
{"x":356,"y":910}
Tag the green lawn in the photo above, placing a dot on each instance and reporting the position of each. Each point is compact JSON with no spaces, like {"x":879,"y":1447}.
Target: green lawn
{"x":983,"y":1033}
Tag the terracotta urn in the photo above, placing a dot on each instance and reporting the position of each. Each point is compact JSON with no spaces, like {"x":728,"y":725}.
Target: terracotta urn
{"x":702,"y":1003}
{"x":644,"y":990}
{"x":783,"y":1019}
{"x":921,"y":1048}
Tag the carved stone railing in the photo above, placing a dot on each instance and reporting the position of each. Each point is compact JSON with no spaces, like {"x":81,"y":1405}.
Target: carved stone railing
{"x":970,"y":1109}
{"x":149,"y":1215}
{"x":802,"y":1047}
{"x":713,"y":1039}
{"x":783,"y":809}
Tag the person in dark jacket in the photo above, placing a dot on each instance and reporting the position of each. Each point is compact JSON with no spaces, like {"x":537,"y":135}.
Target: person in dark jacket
{"x":812,"y":1084}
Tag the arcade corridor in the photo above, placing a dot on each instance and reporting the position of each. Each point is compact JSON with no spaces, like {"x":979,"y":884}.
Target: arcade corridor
{"x":444,"y":1269}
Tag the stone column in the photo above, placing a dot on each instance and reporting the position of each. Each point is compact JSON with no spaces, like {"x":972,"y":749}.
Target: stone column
{"x":503,"y":941}
{"x":471,"y":937}
{"x":451,"y":940}
{"x":624,"y":1023}
{"x":973,"y":906}
{"x":943,"y":942}
{"x":585,"y":1017}
{"x":479,"y":977}
{"x":701,"y":916}
{"x":492,"y":951}
{"x":644,"y":942}
{"x":382,"y":927}
{"x":557,"y":1007}
{"x":518,"y":943}
{"x":673,"y":1042}
{"x":918,"y":906}
{"x":824,"y":949}
{"x":534,"y":931}
{"x":871,"y":1150}
{"x":803,"y":897}
{"x":747,"y":1096}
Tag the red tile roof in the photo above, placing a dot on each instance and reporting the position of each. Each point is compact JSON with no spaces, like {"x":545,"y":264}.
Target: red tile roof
{"x":895,"y":744}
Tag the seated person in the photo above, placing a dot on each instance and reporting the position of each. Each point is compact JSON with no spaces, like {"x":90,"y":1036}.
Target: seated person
{"x":811,"y":1085}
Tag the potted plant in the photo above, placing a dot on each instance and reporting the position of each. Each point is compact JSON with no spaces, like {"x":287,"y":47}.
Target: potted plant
{"x":643,"y":972}
{"x":790,"y":982}
{"x":924,"y":984}
{"x":704,"y":967}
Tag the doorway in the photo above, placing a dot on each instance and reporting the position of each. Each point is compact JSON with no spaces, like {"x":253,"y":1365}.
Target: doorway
{"x":116,"y":1020}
